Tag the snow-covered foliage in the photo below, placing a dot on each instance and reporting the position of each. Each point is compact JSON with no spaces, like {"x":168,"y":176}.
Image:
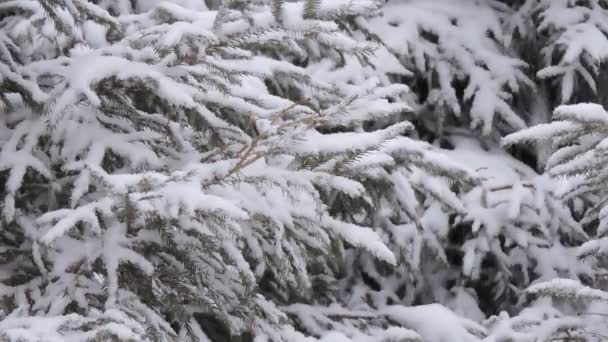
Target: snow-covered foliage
{"x":473,"y":245}
{"x":150,"y":182}
{"x":577,"y":136}
{"x":573,"y":40}
{"x":516,"y":229}
{"x":307,"y":170}
{"x":581,"y":315}
{"x":577,"y":163}
{"x":455,"y":49}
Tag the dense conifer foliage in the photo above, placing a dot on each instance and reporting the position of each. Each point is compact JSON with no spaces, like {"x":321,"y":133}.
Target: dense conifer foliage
{"x":306,"y":170}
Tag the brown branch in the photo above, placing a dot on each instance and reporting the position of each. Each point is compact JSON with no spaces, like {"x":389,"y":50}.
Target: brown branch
{"x":509,"y":187}
{"x":247,"y":151}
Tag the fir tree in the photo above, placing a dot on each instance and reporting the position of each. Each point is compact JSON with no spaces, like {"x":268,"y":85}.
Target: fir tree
{"x":302,"y":170}
{"x":156,"y":189}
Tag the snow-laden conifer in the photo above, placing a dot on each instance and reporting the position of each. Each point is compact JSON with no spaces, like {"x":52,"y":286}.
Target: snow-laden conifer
{"x":568,"y":39}
{"x":456,"y":52}
{"x":151,"y":181}
{"x":576,"y":136}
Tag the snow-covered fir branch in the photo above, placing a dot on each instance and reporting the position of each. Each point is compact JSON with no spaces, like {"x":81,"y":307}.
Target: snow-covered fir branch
{"x":306,"y":170}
